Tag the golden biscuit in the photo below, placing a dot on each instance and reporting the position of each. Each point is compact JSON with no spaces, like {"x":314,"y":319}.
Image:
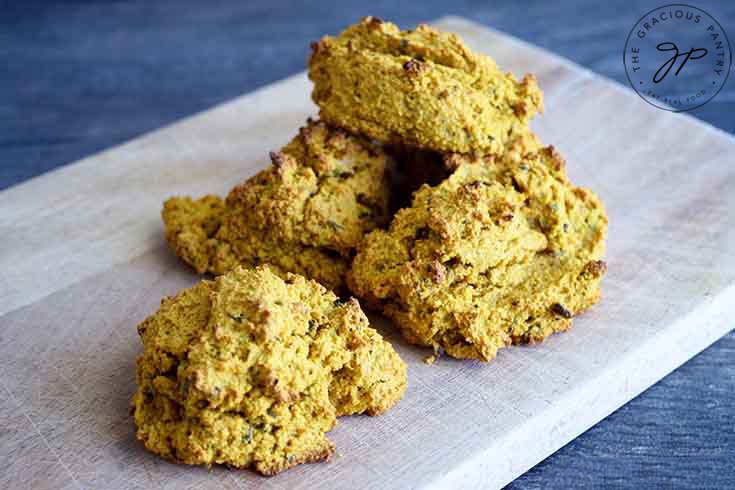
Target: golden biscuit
{"x":251,"y":370}
{"x":504,"y":250}
{"x":422,"y":88}
{"x":304,"y":214}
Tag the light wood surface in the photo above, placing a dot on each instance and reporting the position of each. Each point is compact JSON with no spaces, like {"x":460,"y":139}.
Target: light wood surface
{"x":83,"y":261}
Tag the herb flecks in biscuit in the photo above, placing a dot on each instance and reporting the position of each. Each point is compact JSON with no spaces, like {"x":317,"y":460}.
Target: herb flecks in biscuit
{"x":251,"y":370}
{"x":503,"y":251}
{"x":304,"y":214}
{"x":420,"y":87}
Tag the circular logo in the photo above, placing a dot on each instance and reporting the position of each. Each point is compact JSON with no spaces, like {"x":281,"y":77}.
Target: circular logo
{"x":677,"y":57}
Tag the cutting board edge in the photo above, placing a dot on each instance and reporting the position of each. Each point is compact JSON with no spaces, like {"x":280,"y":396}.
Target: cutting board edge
{"x":716,"y":317}
{"x":248,"y":97}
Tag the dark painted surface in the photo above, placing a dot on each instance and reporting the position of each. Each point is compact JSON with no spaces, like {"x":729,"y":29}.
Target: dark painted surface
{"x":78,"y":77}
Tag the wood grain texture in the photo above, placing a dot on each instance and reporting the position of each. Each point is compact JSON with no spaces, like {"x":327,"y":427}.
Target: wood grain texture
{"x":84,"y":262}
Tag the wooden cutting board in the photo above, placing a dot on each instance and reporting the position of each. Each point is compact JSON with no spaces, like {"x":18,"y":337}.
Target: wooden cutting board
{"x":83,"y":261}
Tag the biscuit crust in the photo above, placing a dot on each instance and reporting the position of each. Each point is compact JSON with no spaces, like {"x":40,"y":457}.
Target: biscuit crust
{"x":503,"y":251}
{"x":304,"y":214}
{"x":251,"y":370}
{"x":421,"y":87}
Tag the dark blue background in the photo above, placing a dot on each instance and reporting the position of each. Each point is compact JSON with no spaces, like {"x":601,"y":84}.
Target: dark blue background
{"x":78,"y":77}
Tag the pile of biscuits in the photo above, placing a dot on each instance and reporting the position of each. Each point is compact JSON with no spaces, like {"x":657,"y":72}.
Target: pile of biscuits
{"x":422,"y":191}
